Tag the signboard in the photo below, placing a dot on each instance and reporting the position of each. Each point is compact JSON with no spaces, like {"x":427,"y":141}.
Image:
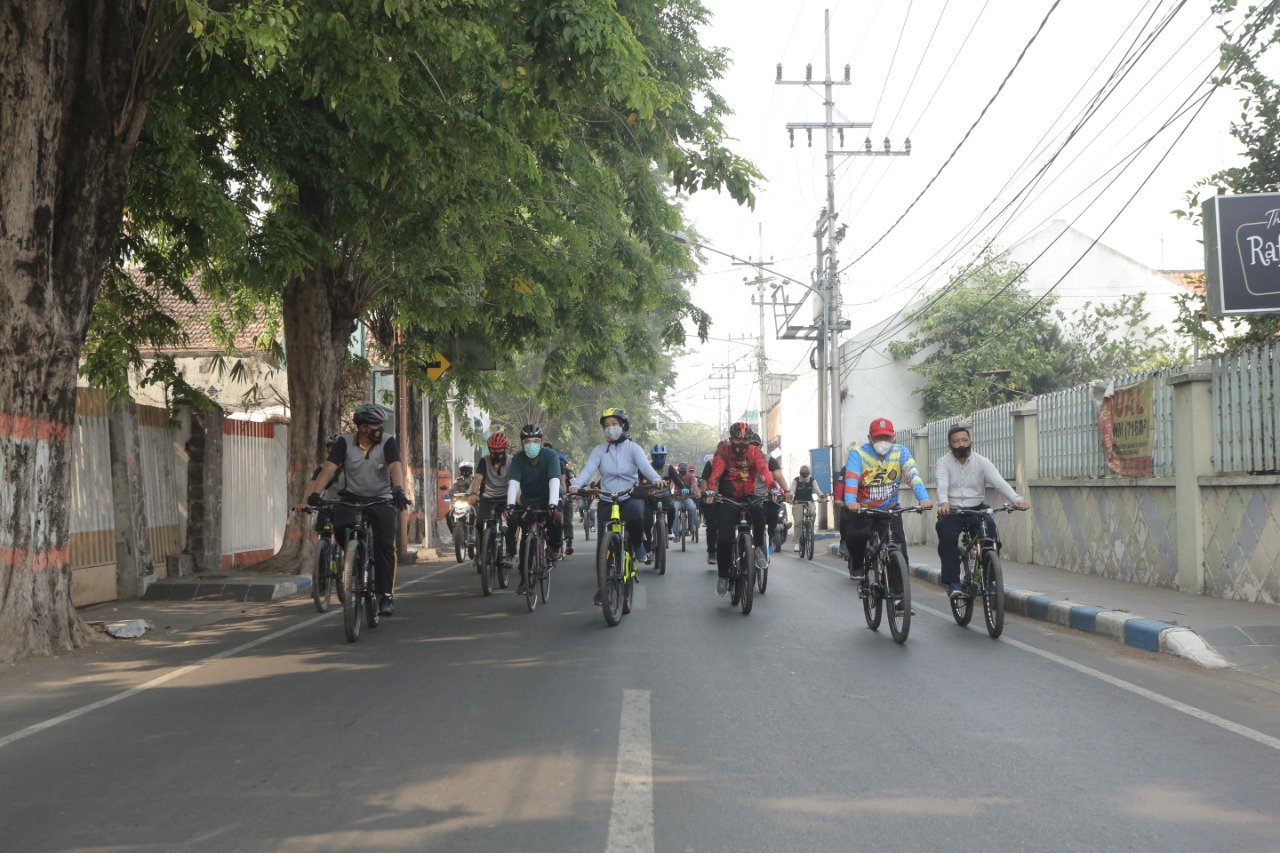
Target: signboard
{"x":820,"y":467}
{"x":1127,"y":424}
{"x":1242,"y":254}
{"x":437,"y":366}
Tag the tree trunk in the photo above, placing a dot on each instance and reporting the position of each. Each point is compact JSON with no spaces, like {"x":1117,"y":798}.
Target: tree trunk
{"x":68,"y":127}
{"x":318,"y":324}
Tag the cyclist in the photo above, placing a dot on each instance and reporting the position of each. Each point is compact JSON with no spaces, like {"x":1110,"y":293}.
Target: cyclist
{"x":535,"y":477}
{"x":620,"y":463}
{"x":461,"y":488}
{"x":370,"y":462}
{"x":874,"y":472}
{"x":734,"y":470}
{"x":772,"y":508}
{"x":687,"y":498}
{"x":566,"y":501}
{"x":804,"y":490}
{"x":667,"y":472}
{"x":963,"y":477}
{"x":710,"y":515}
{"x":489,"y":487}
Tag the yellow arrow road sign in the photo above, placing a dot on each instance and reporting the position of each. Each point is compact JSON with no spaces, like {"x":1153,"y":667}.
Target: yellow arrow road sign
{"x":437,"y":367}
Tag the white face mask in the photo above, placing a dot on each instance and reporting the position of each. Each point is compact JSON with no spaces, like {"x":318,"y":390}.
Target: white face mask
{"x":882,"y":447}
{"x":613,"y":433}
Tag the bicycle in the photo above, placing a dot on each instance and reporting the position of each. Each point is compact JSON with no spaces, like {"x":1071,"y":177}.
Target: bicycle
{"x":658,"y":532}
{"x":980,"y":572}
{"x":887,"y":578}
{"x":684,"y":521}
{"x":778,"y":535}
{"x":463,"y":513}
{"x":493,"y":573}
{"x":535,"y":565}
{"x":326,"y":574}
{"x":746,"y":577}
{"x":615,"y":561}
{"x":805,"y":548}
{"x":359,"y":592}
{"x":587,"y":511}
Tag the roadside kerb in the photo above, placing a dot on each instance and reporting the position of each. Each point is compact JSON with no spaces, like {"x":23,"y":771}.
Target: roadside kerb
{"x":1151,"y":635}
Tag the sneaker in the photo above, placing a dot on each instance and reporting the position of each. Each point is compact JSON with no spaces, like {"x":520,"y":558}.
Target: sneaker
{"x":522,"y":589}
{"x":897,"y":607}
{"x":843,"y":552}
{"x":954,"y":591}
{"x":597,"y":600}
{"x":762,"y":559}
{"x":387,"y":607}
{"x":857,"y":576}
{"x":722,"y":586}
{"x":711,"y":559}
{"x":568,"y":550}
{"x":554,"y":553}
{"x":643,"y":555}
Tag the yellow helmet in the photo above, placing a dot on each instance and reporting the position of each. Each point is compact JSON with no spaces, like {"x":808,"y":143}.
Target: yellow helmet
{"x":620,"y":414}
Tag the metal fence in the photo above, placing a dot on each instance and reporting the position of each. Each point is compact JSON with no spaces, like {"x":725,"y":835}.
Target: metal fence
{"x":254,"y":499}
{"x":1067,"y":424}
{"x":1245,"y":391}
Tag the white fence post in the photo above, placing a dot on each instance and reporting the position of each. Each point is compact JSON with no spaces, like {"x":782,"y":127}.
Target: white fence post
{"x":1026,"y":467}
{"x":1193,"y":458}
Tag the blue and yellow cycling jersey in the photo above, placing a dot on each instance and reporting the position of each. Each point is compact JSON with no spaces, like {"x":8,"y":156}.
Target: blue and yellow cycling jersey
{"x":874,"y":482}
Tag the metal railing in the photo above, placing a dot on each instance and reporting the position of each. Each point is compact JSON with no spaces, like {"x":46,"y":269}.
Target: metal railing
{"x":1245,"y":390}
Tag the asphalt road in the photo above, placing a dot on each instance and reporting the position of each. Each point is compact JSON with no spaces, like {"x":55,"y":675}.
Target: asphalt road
{"x":466,"y":723}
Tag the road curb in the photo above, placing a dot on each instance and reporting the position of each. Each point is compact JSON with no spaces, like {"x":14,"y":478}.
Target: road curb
{"x":1150,"y":635}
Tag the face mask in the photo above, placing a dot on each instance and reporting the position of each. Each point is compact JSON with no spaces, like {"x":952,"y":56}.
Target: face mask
{"x":961,"y":452}
{"x":882,"y":447}
{"x":659,"y":463}
{"x":532,"y":449}
{"x":613,"y":433}
{"x":499,"y":458}
{"x":738,"y":448}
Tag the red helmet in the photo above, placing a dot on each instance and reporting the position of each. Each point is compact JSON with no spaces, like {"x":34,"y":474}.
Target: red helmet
{"x":498,"y":442}
{"x":740,"y":430}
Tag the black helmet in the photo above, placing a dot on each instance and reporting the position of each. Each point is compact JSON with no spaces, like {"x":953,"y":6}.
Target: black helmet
{"x":620,"y":414}
{"x":369,"y":413}
{"x":740,"y":430}
{"x":755,"y":439}
{"x":531,"y":431}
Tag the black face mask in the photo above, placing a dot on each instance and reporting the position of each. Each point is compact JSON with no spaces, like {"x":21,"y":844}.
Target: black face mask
{"x":499,"y":458}
{"x":738,"y":448}
{"x":961,"y":452}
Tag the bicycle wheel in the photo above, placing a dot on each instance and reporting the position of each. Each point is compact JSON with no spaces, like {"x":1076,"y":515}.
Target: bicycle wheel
{"x":749,"y":581}
{"x":993,"y":594}
{"x":898,"y":579}
{"x":744,"y":556}
{"x":660,"y":543}
{"x":609,"y":577}
{"x":962,"y":608}
{"x":628,"y":589}
{"x":872,"y":603}
{"x":488,"y":557}
{"x":695,"y":534}
{"x":353,"y":603}
{"x":684,"y":529}
{"x":528,"y":569}
{"x":761,"y":575}
{"x":321,"y":582}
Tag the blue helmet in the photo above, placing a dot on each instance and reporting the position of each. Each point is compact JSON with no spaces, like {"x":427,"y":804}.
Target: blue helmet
{"x":659,"y":450}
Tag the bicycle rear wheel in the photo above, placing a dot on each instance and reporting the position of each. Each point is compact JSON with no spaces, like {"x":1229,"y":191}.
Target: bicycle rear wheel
{"x":609,"y":577}
{"x":322,"y":580}
{"x":898,"y":579}
{"x":353,"y":603}
{"x":993,"y":594}
{"x":684,"y":528}
{"x":962,"y":608}
{"x":872,"y":603}
{"x":544,"y":579}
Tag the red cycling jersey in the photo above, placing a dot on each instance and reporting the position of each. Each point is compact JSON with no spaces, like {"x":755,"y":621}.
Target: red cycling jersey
{"x":734,"y":475}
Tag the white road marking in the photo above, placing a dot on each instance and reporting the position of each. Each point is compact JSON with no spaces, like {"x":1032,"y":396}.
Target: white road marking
{"x":34,"y":728}
{"x":631,"y":819}
{"x":1158,"y":698}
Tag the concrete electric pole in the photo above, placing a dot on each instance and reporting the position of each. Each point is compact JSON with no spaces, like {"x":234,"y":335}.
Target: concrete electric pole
{"x":762,"y":361}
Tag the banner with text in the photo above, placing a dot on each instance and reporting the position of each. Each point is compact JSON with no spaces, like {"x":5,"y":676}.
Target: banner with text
{"x":1126,"y":421}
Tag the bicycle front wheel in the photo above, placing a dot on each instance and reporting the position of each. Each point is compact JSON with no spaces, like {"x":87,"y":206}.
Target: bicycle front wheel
{"x":609,"y":577}
{"x":528,"y":570}
{"x":660,"y":543}
{"x":321,"y":580}
{"x":761,"y":575}
{"x":749,"y":580}
{"x":684,"y":530}
{"x":898,"y":579}
{"x":353,"y":603}
{"x":544,"y":579}
{"x":993,"y":594}
{"x":488,"y":557}
{"x":962,"y":607}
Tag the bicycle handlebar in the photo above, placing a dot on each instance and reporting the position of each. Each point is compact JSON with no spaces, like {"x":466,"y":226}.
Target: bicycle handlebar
{"x":1008,"y":507}
{"x":743,"y":504}
{"x":889,"y":513}
{"x":331,"y":504}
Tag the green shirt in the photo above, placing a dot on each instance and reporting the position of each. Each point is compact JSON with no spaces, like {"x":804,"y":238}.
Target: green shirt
{"x":533,"y":476}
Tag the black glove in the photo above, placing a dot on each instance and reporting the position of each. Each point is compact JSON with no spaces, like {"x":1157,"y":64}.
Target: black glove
{"x":313,"y":499}
{"x":398,"y":498}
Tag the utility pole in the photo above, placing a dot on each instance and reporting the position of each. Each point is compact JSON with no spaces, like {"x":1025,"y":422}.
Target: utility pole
{"x":831,"y":323}
{"x":762,"y":361}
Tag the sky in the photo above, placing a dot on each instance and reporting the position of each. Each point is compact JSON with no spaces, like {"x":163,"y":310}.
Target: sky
{"x":926,"y":70}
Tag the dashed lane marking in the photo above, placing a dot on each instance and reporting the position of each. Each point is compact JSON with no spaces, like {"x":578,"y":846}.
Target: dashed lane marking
{"x":631,"y":818}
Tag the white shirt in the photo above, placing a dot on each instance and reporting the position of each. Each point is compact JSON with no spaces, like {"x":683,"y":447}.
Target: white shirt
{"x":964,"y":484}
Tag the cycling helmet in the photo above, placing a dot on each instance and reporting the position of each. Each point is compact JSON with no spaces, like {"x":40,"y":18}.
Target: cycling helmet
{"x":530,"y":431}
{"x":564,"y":460}
{"x":498,"y":442}
{"x":659,"y":450}
{"x":755,"y":438}
{"x":369,"y":413}
{"x":739,"y":430}
{"x":620,"y":414}
{"x":465,"y":470}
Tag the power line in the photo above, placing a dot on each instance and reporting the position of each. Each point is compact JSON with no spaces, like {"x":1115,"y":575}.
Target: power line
{"x":875,"y":111}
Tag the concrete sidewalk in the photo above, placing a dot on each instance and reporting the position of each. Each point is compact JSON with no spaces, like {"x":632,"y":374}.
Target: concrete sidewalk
{"x":1209,"y":631}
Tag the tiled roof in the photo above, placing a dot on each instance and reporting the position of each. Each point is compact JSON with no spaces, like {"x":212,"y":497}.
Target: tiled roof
{"x":196,"y":317}
{"x":1192,"y":280}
